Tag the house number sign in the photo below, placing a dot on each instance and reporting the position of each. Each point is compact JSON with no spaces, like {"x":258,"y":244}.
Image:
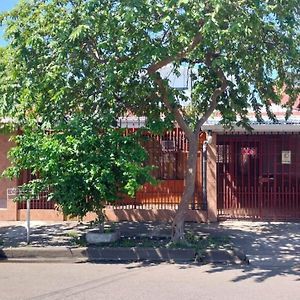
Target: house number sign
{"x":286,"y":157}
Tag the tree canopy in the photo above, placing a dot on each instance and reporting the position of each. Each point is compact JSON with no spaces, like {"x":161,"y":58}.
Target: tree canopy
{"x":81,"y":167}
{"x":95,"y":55}
{"x":105,"y":58}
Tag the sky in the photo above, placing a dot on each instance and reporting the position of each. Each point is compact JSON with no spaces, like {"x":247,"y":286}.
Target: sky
{"x":5,"y":5}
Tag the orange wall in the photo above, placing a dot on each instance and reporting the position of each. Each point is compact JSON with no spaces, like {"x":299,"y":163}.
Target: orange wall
{"x":212,"y":180}
{"x":10,"y":212}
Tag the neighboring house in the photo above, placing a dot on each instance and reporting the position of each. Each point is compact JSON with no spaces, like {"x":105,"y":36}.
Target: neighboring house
{"x":8,"y":209}
{"x":258,"y":173}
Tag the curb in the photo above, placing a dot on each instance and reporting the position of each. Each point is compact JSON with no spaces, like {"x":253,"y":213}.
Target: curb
{"x":96,"y":254}
{"x":118,"y":255}
{"x":42,"y":252}
{"x":234,"y":256}
{"x":135,"y":254}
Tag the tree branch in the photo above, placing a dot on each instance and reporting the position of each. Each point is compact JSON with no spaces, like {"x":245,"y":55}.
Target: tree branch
{"x":158,"y":65}
{"x":152,"y":69}
{"x":214,"y":97}
{"x":178,"y":116}
{"x":165,"y":35}
{"x":93,"y":51}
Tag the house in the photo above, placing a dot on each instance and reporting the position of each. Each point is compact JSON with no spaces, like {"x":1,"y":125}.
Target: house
{"x":168,"y":152}
{"x":248,"y":175}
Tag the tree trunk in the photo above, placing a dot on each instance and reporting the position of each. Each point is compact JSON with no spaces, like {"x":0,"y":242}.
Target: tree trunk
{"x":100,"y":219}
{"x":188,"y":194}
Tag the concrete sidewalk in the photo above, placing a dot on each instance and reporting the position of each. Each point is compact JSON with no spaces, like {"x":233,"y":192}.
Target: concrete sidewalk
{"x":275,"y":243}
{"x":265,"y":243}
{"x":42,"y":233}
{"x":55,"y":241}
{"x":13,"y":234}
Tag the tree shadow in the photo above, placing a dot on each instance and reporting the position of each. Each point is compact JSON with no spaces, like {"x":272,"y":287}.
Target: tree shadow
{"x":65,"y":234}
{"x":62,"y":234}
{"x":259,"y":273}
{"x":272,"y":248}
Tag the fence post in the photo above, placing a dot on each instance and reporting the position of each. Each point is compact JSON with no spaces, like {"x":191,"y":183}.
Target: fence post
{"x":28,"y":221}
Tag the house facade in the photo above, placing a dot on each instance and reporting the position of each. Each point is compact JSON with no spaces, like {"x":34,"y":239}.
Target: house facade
{"x":252,"y":176}
{"x":258,"y":174}
{"x":168,"y":152}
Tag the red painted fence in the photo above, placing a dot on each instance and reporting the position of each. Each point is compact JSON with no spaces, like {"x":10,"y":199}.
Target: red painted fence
{"x":258,"y":176}
{"x":168,"y":152}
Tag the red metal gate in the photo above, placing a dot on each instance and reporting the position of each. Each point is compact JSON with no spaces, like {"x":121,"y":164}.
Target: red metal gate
{"x":168,"y":153}
{"x":258,"y":176}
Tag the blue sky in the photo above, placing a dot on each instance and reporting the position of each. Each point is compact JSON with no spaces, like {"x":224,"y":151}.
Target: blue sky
{"x":5,"y":5}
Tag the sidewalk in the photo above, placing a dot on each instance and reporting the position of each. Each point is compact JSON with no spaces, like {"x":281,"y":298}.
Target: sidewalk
{"x":50,"y":240}
{"x":264,"y":243}
{"x":275,"y":244}
{"x":42,"y":234}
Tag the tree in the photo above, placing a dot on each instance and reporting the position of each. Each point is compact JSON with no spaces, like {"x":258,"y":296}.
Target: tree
{"x":240,"y":54}
{"x":81,"y":168}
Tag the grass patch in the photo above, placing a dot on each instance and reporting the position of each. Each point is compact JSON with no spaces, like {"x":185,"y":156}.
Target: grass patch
{"x":201,"y":243}
{"x":143,"y":242}
{"x":76,"y":239}
{"x":72,"y":234}
{"x":193,"y":241}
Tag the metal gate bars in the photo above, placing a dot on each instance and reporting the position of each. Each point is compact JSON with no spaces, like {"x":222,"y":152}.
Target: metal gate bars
{"x":258,"y":176}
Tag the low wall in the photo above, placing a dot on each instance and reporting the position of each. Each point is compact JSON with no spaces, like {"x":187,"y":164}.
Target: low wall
{"x":41,"y":215}
{"x":143,"y":215}
{"x":116,"y":215}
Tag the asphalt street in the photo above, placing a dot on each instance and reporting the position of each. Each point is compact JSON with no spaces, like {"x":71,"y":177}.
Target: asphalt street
{"x":142,"y":281}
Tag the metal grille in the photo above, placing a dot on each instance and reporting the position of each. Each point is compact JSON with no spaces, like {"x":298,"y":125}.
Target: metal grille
{"x":39,"y":201}
{"x":170,"y":167}
{"x":166,"y":195}
{"x":258,"y":176}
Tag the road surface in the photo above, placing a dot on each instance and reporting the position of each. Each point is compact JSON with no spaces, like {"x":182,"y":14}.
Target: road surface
{"x":140,"y":281}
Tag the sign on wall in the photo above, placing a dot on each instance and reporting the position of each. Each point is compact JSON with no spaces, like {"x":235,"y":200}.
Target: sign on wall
{"x":286,"y":157}
{"x":250,"y":151}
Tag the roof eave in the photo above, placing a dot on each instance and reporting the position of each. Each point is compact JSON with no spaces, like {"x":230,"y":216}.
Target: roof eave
{"x":218,"y":128}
